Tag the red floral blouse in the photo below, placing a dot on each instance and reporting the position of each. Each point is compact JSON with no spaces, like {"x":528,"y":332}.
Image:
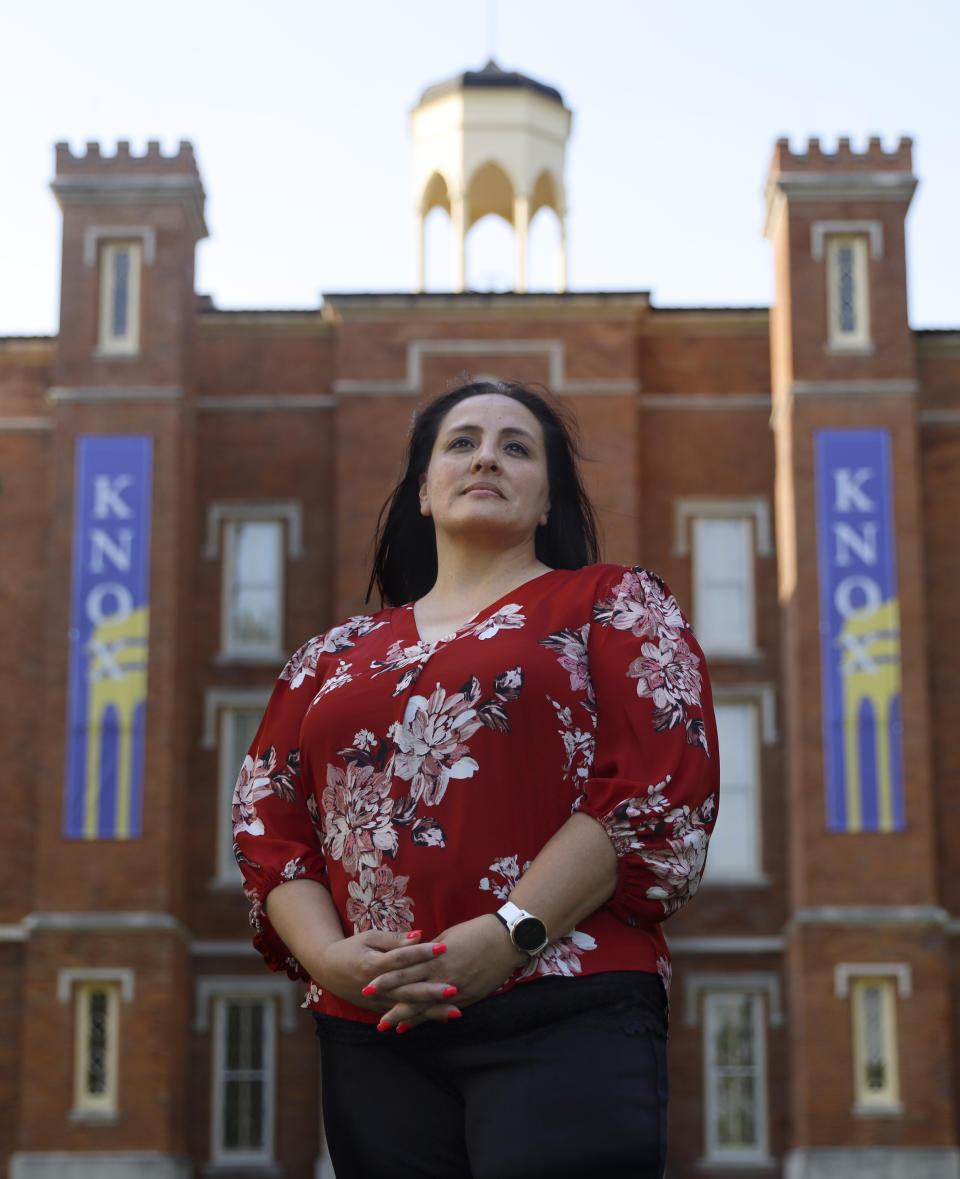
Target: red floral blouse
{"x":417,"y":781}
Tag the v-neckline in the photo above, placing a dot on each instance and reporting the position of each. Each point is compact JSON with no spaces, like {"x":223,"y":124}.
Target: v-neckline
{"x":408,"y":618}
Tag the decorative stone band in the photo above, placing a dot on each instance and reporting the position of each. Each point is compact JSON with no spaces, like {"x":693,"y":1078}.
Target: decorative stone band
{"x":98,"y":1164}
{"x":870,"y":915}
{"x":886,"y":1162}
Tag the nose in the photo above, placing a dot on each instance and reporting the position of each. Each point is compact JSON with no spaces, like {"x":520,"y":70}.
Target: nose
{"x":485,"y":459}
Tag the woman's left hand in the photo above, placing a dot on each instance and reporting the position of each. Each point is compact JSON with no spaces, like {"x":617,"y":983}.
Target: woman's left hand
{"x":479,"y":958}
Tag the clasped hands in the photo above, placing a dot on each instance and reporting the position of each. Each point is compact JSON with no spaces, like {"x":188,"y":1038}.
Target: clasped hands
{"x":411,"y":981}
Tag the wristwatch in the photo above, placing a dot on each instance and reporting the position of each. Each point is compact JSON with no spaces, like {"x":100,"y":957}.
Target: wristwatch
{"x":528,"y":933}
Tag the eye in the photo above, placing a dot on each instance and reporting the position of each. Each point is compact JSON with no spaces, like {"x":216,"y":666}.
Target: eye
{"x":516,"y":448}
{"x":460,"y":443}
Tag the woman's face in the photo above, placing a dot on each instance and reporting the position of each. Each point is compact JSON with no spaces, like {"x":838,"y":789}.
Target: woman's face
{"x":487,"y":475}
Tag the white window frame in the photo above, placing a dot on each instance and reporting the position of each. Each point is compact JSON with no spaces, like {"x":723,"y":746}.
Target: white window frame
{"x":751,"y":872}
{"x":722,"y":646}
{"x":272,"y":647}
{"x":857,"y":340}
{"x":714,"y":1153}
{"x":128,"y":342}
{"x":868,"y":1100}
{"x":220,"y":1155}
{"x":227,"y":872}
{"x":88,"y":1105}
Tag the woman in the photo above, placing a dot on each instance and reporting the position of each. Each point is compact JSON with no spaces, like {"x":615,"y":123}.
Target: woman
{"x":463,"y":819}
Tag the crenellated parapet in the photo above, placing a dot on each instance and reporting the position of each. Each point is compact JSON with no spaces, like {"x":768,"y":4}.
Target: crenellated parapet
{"x":93,"y":162}
{"x":814,"y":158}
{"x":126,"y":178}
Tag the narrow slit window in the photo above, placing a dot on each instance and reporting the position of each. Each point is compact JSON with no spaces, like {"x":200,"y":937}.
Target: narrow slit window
{"x":253,"y":587}
{"x":238,"y":726}
{"x":735,"y":846}
{"x":735,"y":1076}
{"x":120,"y":298}
{"x":876,"y":1084}
{"x":848,"y":304}
{"x":723,"y":589}
{"x":243,"y":1080}
{"x":96,"y":1024}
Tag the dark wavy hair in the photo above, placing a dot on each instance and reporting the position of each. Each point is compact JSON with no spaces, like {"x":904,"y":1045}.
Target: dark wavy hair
{"x":405,"y":548}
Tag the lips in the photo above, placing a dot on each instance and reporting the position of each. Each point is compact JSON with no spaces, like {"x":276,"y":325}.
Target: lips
{"x":483,"y":487}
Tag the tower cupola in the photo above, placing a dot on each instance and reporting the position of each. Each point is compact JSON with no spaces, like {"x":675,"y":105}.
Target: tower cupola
{"x":490,"y":141}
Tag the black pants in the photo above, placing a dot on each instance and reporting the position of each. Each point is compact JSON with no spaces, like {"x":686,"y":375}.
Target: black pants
{"x":558,"y":1077}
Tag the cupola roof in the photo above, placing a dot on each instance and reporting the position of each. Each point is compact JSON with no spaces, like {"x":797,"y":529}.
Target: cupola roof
{"x":490,"y":76}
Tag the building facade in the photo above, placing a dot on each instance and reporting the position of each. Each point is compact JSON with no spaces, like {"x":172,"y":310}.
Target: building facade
{"x":188,"y":494}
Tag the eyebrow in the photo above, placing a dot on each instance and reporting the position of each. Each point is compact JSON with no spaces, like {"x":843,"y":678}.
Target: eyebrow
{"x":479,"y":430}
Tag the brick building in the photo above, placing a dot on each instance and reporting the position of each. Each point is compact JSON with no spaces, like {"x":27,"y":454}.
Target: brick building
{"x":813,"y":539}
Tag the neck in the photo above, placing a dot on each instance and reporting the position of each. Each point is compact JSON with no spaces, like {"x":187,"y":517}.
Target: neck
{"x":471,"y":575}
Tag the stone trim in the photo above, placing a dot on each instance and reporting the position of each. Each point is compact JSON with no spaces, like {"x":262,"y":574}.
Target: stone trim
{"x":412,"y":383}
{"x":222,"y":948}
{"x":288,"y":510}
{"x":214,"y":699}
{"x":67,"y":977}
{"x":94,"y":234}
{"x":843,"y":972}
{"x":764,"y":694}
{"x":747,"y":944}
{"x":125,"y":921}
{"x":231,"y":986}
{"x":9,"y":424}
{"x":98,"y":1164}
{"x":820,"y":229}
{"x":873,"y":1162}
{"x":127,"y":189}
{"x":267,"y":401}
{"x":884,"y":388}
{"x":764,"y":982}
{"x":756,"y":507}
{"x":870,"y":915}
{"x":939,"y":417}
{"x":115,"y":392}
{"x":708,"y":401}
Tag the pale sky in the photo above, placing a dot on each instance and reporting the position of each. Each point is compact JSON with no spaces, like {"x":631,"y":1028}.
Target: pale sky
{"x":299,"y":114}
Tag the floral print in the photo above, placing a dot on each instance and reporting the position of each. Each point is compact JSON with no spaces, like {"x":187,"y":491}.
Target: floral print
{"x":676,"y":862}
{"x":377,"y":901}
{"x":357,"y":813}
{"x":585,"y":691}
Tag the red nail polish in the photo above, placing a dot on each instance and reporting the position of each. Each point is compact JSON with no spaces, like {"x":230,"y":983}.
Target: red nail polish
{"x":414,"y":933}
{"x":439,"y":948}
{"x":454,"y":1013}
{"x":383,"y":1026}
{"x":402,"y":1027}
{"x":369,"y":989}
{"x":449,"y":992}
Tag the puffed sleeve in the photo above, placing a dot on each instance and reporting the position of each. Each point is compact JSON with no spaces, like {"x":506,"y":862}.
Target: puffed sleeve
{"x":655,"y":777}
{"x":275,"y":818}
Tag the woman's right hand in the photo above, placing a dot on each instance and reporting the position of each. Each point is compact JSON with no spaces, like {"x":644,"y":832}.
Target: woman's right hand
{"x":346,"y":967}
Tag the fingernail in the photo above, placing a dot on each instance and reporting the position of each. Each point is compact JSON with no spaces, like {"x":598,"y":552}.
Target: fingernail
{"x":414,"y":933}
{"x":383,"y":1025}
{"x":402,"y":1027}
{"x":449,"y":992}
{"x":439,"y":948}
{"x":369,"y":989}
{"x":454,"y":1013}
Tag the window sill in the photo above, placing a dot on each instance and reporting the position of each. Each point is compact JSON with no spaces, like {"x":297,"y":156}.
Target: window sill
{"x":93,"y":1117}
{"x":751,"y":655}
{"x":760,"y":880}
{"x":226,"y":883}
{"x":253,"y":658}
{"x":738,"y":1162}
{"x":893,"y":1109}
{"x":253,"y":1170}
{"x":866,"y":349}
{"x":116,"y":354}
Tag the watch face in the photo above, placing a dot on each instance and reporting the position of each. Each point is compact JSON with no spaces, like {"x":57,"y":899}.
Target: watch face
{"x":529,"y":934}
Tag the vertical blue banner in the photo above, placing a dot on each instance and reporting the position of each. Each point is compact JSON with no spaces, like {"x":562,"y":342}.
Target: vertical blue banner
{"x":859,"y":632}
{"x":109,"y":634}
